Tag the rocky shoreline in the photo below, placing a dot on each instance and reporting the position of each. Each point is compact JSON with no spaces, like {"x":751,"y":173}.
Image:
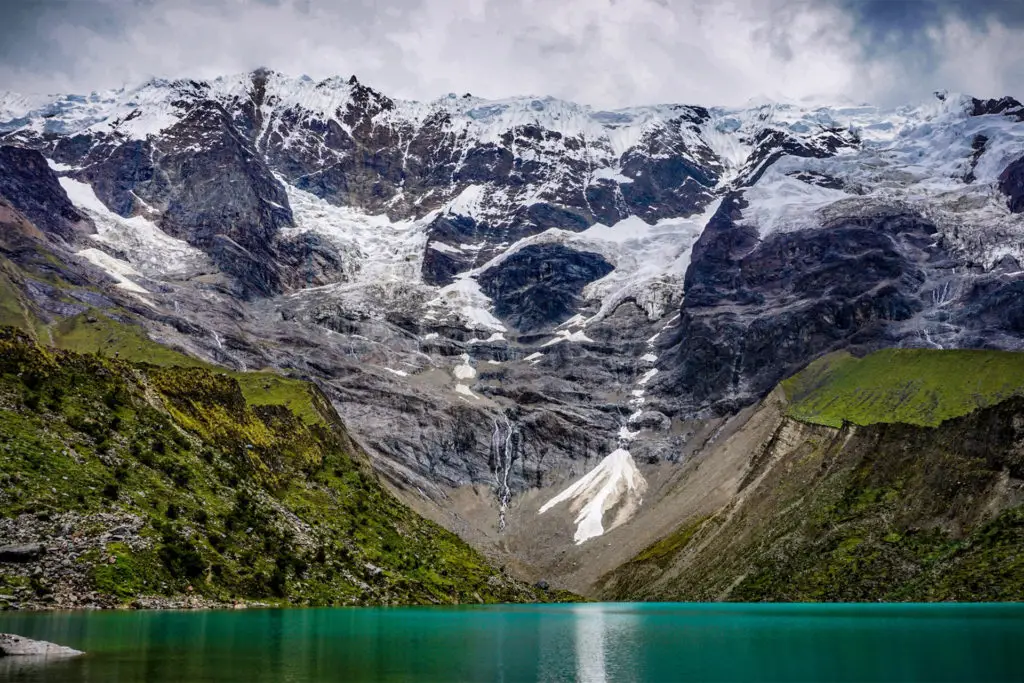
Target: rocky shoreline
{"x":50,"y":563}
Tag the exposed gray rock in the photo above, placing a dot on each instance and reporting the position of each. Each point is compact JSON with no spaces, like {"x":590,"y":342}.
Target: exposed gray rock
{"x":1007,"y":106}
{"x":28,"y":183}
{"x":539,"y":286}
{"x":650,"y":419}
{"x":28,"y":552}
{"x":1011,"y":183}
{"x":756,"y":311}
{"x":17,"y":646}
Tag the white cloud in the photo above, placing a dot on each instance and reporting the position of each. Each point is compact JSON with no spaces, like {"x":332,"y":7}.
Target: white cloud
{"x":602,"y":52}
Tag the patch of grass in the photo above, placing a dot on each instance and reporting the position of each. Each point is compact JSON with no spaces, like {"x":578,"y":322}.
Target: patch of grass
{"x":914,"y":386}
{"x":129,"y":575}
{"x":662,"y":552}
{"x":94,"y":332}
{"x":267,"y":388}
{"x":12,"y":311}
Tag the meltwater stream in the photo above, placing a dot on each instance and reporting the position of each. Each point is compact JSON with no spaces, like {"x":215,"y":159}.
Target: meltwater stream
{"x":589,"y":643}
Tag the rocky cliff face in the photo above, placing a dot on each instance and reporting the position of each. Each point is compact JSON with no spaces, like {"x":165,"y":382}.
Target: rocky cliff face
{"x":500,"y":294}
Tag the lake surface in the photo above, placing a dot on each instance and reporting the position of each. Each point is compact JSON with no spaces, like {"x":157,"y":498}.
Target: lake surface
{"x":591,"y":642}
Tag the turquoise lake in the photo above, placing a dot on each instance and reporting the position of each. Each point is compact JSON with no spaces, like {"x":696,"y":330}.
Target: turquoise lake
{"x":591,"y":642}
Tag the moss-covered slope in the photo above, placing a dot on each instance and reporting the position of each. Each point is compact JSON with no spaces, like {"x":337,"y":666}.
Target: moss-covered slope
{"x":142,"y":480}
{"x":912,"y":386}
{"x":892,"y":510}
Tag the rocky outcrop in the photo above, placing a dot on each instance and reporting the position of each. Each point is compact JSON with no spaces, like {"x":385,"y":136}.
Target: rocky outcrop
{"x":770,"y":145}
{"x":17,"y":646}
{"x":1007,"y":106}
{"x":539,"y":286}
{"x":757,"y":310}
{"x":885,"y":512}
{"x":31,"y":187}
{"x":21,"y":553}
{"x":1011,"y":183}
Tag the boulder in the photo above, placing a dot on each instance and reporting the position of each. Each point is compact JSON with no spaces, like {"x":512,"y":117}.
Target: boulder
{"x":17,"y":646}
{"x":21,"y":553}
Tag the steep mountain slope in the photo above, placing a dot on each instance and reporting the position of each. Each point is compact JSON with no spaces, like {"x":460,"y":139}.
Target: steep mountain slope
{"x":499,"y":296}
{"x":132,"y":482}
{"x":893,"y":477}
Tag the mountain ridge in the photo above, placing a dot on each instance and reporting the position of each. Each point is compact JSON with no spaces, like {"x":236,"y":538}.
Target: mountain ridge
{"x":497,"y":305}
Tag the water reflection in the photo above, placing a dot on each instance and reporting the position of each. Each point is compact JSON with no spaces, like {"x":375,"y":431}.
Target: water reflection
{"x":586,"y":643}
{"x":590,"y":635}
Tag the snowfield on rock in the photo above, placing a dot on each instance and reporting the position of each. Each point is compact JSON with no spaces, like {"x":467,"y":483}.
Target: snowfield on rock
{"x":147,"y":250}
{"x":614,"y":485}
{"x":921,"y":155}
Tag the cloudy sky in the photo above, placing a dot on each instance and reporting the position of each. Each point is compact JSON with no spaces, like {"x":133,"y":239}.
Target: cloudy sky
{"x":602,"y":52}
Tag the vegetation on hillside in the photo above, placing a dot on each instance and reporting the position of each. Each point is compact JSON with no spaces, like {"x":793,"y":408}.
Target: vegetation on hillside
{"x":912,"y":386}
{"x":245,"y":489}
{"x":895,"y":510}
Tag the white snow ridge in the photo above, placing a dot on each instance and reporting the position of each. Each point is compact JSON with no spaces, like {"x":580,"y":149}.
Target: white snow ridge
{"x":615,"y":483}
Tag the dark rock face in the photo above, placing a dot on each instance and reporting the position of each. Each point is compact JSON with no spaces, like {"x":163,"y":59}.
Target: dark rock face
{"x":770,"y":145}
{"x":223,"y":193}
{"x":200,"y":180}
{"x":1011,"y":183}
{"x":121,"y":175}
{"x":308,"y":260}
{"x":443,"y":260}
{"x":756,"y":311}
{"x":670,"y":176}
{"x":539,"y":286}
{"x":21,"y":553}
{"x":978,"y":146}
{"x":31,"y":187}
{"x":993,"y":307}
{"x":1007,"y":106}
{"x":440,"y":266}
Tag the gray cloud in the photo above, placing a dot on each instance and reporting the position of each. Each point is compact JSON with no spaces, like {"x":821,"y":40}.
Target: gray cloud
{"x":603,"y":52}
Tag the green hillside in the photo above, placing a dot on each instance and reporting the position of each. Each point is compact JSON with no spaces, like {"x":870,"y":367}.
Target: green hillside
{"x":167,"y":481}
{"x":914,"y":386}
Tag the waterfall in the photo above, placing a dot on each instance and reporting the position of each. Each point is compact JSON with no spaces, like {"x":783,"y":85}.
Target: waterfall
{"x":504,"y":440}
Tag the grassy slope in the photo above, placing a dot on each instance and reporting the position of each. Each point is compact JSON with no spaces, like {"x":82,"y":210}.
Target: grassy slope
{"x":240,"y":497}
{"x":895,"y":510}
{"x":912,"y":386}
{"x":97,"y":333}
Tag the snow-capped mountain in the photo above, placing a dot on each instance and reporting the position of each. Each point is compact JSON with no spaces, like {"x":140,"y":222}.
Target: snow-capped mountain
{"x":527,"y":286}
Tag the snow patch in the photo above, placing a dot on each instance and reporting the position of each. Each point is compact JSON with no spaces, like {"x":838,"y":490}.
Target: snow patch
{"x":469,"y":202}
{"x":465,"y":391}
{"x":647,"y":376}
{"x":58,"y":167}
{"x":566,"y":336}
{"x":495,"y":337}
{"x":613,"y":174}
{"x":614,"y":484}
{"x":464,"y":300}
{"x":444,"y":248}
{"x":117,"y":269}
{"x":464,"y":370}
{"x":150,"y":251}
